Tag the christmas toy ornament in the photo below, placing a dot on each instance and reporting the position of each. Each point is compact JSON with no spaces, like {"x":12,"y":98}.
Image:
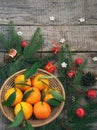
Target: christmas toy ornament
{"x":80,"y":112}
{"x":78,"y":61}
{"x":50,"y":67}
{"x":55,"y":50}
{"x":24,"y":44}
{"x":12,"y":53}
{"x":88,"y":79}
{"x":71,"y":74}
{"x":91,"y":94}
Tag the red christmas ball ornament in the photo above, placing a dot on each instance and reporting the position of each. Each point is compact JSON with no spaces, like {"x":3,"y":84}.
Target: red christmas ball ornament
{"x":80,"y":112}
{"x":50,"y":67}
{"x":78,"y":61}
{"x":24,"y":44}
{"x":91,"y":94}
{"x":71,"y":74}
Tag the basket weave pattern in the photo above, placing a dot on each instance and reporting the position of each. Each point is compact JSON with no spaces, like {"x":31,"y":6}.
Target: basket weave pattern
{"x":8,"y":111}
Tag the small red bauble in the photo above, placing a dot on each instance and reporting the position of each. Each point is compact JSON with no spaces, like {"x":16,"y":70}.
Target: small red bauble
{"x":80,"y":112}
{"x":78,"y":61}
{"x":91,"y":94}
{"x":50,"y":67}
{"x":71,"y":74}
{"x":24,"y":44}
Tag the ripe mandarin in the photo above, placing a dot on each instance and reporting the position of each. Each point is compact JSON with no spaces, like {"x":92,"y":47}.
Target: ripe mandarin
{"x":21,"y":83}
{"x":34,"y":95}
{"x":19,"y":95}
{"x":26,"y":107}
{"x":42,"y":110}
{"x":47,"y":97}
{"x":39,"y":82}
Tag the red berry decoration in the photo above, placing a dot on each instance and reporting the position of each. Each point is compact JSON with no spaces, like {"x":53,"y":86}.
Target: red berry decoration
{"x":71,"y":74}
{"x":80,"y":112}
{"x":24,"y":44}
{"x":78,"y":61}
{"x":56,"y":50}
{"x":91,"y":94}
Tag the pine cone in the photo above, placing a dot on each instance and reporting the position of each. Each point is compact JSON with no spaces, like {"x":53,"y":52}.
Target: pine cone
{"x":88,"y":79}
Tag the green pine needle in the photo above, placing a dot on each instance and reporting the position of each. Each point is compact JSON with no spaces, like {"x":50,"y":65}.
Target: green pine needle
{"x":3,"y":41}
{"x":31,"y":71}
{"x":35,"y":44}
{"x":14,"y":39}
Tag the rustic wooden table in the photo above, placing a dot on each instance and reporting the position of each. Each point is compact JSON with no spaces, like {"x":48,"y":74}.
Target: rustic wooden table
{"x":80,"y":35}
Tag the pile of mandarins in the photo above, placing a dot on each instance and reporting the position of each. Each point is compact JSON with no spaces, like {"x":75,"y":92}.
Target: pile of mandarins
{"x":29,"y":96}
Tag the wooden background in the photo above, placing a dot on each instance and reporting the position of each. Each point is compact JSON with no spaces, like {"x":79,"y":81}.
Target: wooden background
{"x":27,"y":15}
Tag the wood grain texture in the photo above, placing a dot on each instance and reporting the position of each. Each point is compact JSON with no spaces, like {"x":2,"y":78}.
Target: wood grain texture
{"x":80,"y":38}
{"x":91,"y":11}
{"x":37,"y":12}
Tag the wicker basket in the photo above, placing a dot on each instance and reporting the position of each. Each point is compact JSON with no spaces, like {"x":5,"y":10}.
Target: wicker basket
{"x":8,"y":111}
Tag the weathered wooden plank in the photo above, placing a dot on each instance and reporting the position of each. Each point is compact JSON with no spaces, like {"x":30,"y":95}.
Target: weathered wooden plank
{"x":91,"y":66}
{"x":37,"y":12}
{"x":80,"y":38}
{"x":91,"y":11}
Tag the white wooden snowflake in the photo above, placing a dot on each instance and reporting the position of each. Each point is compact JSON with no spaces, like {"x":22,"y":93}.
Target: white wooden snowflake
{"x":64,"y":64}
{"x":52,"y":18}
{"x":81,"y":20}
{"x":94,"y":58}
{"x":62,"y":40}
{"x":19,"y":33}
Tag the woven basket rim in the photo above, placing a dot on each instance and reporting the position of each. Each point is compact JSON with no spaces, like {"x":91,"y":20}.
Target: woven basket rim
{"x":34,"y":124}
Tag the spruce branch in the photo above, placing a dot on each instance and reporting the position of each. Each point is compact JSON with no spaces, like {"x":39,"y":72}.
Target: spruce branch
{"x":3,"y":41}
{"x":35,"y":44}
{"x":16,"y":66}
{"x":14,"y":40}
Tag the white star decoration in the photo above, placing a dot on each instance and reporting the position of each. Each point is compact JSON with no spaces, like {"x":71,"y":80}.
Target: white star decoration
{"x":94,"y":58}
{"x":19,"y":33}
{"x":52,"y":18}
{"x":62,"y":40}
{"x":81,"y":20}
{"x":64,"y":65}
